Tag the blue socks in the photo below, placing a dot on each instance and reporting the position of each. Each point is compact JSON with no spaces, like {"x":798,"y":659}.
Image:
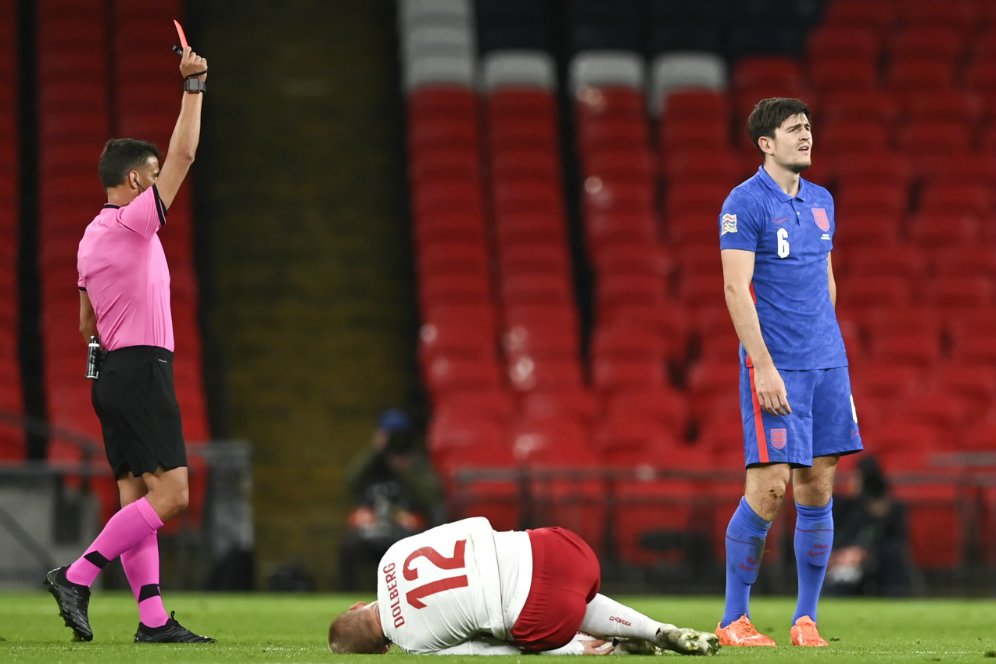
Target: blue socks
{"x":744,"y":546}
{"x":813,"y":542}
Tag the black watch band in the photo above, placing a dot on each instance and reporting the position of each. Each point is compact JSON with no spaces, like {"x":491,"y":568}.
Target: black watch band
{"x":194,"y":85}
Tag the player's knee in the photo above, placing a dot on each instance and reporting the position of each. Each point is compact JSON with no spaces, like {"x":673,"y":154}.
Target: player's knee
{"x":175,"y":502}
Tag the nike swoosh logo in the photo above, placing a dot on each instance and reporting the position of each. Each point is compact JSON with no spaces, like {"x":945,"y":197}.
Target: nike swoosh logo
{"x":779,"y":220}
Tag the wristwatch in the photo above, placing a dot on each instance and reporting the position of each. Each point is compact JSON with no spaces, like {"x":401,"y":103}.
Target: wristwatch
{"x":194,"y":85}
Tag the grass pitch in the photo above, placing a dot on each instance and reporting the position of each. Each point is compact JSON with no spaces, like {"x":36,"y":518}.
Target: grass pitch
{"x":291,"y":628}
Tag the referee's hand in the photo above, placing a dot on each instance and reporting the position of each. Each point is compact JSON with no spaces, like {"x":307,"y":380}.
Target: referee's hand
{"x":771,"y":393}
{"x":193,"y":65}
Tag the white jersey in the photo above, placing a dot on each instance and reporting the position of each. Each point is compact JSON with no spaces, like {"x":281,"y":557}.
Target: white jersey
{"x":451,"y":585}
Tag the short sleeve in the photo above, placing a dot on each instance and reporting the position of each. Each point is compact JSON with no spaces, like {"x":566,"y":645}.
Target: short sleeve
{"x":144,"y":215}
{"x":740,"y":222}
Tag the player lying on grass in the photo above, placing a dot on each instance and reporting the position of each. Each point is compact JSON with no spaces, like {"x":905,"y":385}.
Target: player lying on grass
{"x":463,"y":588}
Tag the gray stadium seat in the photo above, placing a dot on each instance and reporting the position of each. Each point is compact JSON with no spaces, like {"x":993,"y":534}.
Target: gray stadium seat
{"x":439,"y":70}
{"x":423,"y":39}
{"x":607,"y":68}
{"x":682,"y":70}
{"x":533,"y":69}
{"x":435,"y":12}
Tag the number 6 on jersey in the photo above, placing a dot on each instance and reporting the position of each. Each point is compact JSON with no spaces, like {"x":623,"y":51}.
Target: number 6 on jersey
{"x":783,"y":242}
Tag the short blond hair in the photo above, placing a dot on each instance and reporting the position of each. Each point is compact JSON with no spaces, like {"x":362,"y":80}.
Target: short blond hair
{"x":351,"y":632}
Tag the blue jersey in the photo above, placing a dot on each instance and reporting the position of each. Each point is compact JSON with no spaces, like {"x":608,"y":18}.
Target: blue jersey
{"x":791,"y":239}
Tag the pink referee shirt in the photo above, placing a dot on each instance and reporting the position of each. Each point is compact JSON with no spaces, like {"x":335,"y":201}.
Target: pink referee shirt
{"x":123,"y":270}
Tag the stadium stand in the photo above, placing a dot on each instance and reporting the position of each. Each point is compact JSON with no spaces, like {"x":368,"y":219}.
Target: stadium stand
{"x":12,"y":441}
{"x":653,"y":104}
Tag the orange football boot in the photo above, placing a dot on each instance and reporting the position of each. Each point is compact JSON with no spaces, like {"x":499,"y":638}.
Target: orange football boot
{"x":804,"y":633}
{"x":743,"y":633}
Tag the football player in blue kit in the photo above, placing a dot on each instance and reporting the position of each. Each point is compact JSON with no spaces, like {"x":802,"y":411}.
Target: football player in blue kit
{"x":776,"y":235}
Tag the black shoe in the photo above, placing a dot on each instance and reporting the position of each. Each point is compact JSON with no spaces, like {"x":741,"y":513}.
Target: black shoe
{"x":73,"y":600}
{"x":171,"y":632}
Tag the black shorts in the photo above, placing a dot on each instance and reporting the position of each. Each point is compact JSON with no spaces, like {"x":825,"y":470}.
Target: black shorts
{"x":135,"y":401}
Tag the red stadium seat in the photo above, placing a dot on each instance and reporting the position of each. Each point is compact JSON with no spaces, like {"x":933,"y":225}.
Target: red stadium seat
{"x":831,"y":41}
{"x":525,"y":163}
{"x":636,"y":166}
{"x":928,"y":41}
{"x":851,"y":134}
{"x":443,"y":197}
{"x":631,"y":257}
{"x":543,"y":372}
{"x":446,"y":165}
{"x":620,"y":340}
{"x":912,"y":345}
{"x":908,"y":262}
{"x":455,"y":132}
{"x":493,"y":404}
{"x":617,"y":134}
{"x":553,"y":336}
{"x":694,"y":198}
{"x":628,"y":442}
{"x":603,"y":195}
{"x":521,"y":102}
{"x":830,"y":75}
{"x":975,"y":382}
{"x":929,"y":138}
{"x":438,"y":289}
{"x":878,"y":380}
{"x":918,"y":74}
{"x":623,"y":289}
{"x":578,"y":404}
{"x":924,"y":14}
{"x":667,"y":407}
{"x":620,"y":226}
{"x":859,"y":104}
{"x":981,"y":437}
{"x":532,"y":257}
{"x":711,"y":377}
{"x":693,"y":134}
{"x":878,"y":292}
{"x":607,"y":103}
{"x":971,"y":259}
{"x":761,"y":70}
{"x":441,"y":102}
{"x":954,"y":292}
{"x":536,"y":288}
{"x":447,"y":375}
{"x":614,"y":375}
{"x":954,"y":104}
{"x":454,"y":258}
{"x":459,"y":332}
{"x":933,"y":228}
{"x":668,"y":318}
{"x":953,"y":197}
{"x":866,"y":198}
{"x":874,"y":15}
{"x":522,"y":133}
{"x":697,"y":105}
{"x":726,"y":165}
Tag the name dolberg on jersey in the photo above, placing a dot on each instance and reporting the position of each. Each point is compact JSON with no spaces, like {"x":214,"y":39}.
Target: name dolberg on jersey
{"x":391,"y":579}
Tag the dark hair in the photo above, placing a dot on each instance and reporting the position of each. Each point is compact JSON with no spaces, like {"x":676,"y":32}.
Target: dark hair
{"x":769,"y":114}
{"x":121,"y":155}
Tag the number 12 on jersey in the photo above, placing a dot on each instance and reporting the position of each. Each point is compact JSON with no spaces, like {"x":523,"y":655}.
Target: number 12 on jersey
{"x":455,"y":562}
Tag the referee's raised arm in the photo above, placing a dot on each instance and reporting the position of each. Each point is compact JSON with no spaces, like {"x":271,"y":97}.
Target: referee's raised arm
{"x":186,"y":134}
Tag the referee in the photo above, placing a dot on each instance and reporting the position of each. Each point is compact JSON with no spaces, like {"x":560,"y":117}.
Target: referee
{"x":125,"y":303}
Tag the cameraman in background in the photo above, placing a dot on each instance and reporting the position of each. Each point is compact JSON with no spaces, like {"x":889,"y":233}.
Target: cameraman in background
{"x":871,"y":553}
{"x":395,"y":493}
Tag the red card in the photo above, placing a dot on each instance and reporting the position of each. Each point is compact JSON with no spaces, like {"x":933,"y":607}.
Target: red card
{"x":180,"y":34}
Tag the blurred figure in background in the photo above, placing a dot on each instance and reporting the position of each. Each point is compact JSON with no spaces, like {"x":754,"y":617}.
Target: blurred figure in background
{"x":871,"y":556}
{"x":394,"y":491}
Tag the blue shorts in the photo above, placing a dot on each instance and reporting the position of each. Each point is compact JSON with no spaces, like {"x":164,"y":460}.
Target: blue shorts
{"x":823,"y":421}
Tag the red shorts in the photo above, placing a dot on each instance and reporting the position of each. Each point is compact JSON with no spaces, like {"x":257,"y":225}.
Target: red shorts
{"x":566,"y":576}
